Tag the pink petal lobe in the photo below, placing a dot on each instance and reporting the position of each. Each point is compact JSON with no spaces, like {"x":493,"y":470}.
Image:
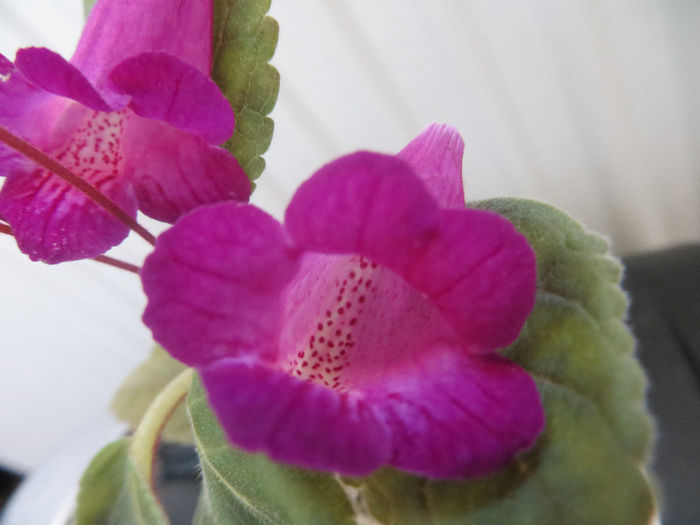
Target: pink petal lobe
{"x":115,"y":31}
{"x":480,"y":272}
{"x":214,"y":283}
{"x":174,"y":171}
{"x":364,"y":203}
{"x":295,"y":421}
{"x":436,"y":157}
{"x":6,"y":65}
{"x":52,"y":72}
{"x":164,"y":87}
{"x":27,"y":111}
{"x":453,"y":416}
{"x":51,"y":220}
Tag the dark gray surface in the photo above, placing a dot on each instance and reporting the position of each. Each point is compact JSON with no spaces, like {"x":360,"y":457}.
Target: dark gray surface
{"x":664,"y":288}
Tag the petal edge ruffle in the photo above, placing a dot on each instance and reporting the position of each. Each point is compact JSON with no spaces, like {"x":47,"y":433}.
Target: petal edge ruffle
{"x":298,"y":422}
{"x":52,"y":72}
{"x":214,"y":283}
{"x":466,"y":416}
{"x":163,"y":87}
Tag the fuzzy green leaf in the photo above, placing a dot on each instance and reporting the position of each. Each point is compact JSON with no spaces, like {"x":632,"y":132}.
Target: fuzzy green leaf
{"x":244,"y":488}
{"x":87,"y":5}
{"x":112,"y":491}
{"x":244,"y":42}
{"x":140,"y":388}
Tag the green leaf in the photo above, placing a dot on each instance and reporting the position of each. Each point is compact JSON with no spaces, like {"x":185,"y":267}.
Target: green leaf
{"x":244,"y":488}
{"x":244,"y":42}
{"x":140,"y":388}
{"x":113,"y":492}
{"x":87,"y":5}
{"x":587,"y":467}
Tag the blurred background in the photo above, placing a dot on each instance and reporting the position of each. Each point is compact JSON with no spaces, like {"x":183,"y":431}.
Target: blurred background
{"x":593,"y":106}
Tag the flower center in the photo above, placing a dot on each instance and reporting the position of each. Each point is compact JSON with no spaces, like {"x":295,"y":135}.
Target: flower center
{"x":350,"y":321}
{"x":94,"y":149}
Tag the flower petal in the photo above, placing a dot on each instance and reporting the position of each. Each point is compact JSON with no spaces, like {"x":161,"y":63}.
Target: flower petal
{"x":6,"y":66}
{"x":214,"y":283}
{"x":364,"y":203}
{"x":295,"y":421}
{"x":436,"y":157}
{"x":174,"y":171}
{"x":455,"y":416}
{"x":26,"y":110}
{"x":53,"y":73}
{"x":164,"y":87}
{"x":53,"y":222}
{"x":480,"y":272}
{"x":117,"y":30}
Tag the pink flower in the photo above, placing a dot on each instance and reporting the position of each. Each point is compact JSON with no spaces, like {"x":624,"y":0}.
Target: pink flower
{"x":363,"y":331}
{"x":134,"y":112}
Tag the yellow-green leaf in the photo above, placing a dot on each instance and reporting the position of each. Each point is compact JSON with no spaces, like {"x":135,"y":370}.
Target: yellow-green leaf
{"x":141,"y":387}
{"x":244,"y":42}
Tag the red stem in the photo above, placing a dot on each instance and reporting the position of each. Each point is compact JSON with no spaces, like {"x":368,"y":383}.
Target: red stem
{"x":71,"y":178}
{"x":111,"y":261}
{"x":104,"y":259}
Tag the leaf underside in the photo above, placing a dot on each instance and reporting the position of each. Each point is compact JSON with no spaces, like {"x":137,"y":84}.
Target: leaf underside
{"x":586,"y":468}
{"x":243,"y":43}
{"x":112,"y":492}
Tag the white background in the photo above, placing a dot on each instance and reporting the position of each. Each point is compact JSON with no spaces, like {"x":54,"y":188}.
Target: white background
{"x":593,"y":106}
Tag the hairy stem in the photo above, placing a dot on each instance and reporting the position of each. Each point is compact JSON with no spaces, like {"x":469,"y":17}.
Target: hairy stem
{"x":147,"y":433}
{"x":122,"y":265}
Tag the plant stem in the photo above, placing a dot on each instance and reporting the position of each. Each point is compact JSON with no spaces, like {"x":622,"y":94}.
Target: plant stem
{"x":104,"y":259}
{"x":147,"y":433}
{"x":122,"y":265}
{"x":74,"y":180}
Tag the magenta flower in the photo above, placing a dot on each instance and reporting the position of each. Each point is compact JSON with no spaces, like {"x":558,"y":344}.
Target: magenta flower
{"x":134,"y":112}
{"x":362,"y":332}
